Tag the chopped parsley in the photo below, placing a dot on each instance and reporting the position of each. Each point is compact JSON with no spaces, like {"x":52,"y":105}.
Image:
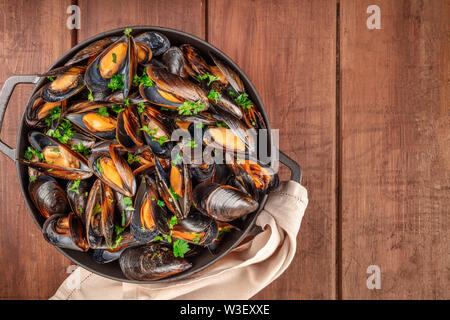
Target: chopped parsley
{"x":173,"y":193}
{"x":127,"y":101}
{"x":32,"y":178}
{"x":141,"y":107}
{"x":180,"y":248}
{"x":129,"y":203}
{"x":199,"y":125}
{"x":80,"y":148}
{"x":208,"y":76}
{"x":243,"y":101}
{"x":114,"y":57}
{"x":222,"y":124}
{"x":197,"y":238}
{"x":97,"y":209}
{"x":132,"y":159}
{"x":173,"y":221}
{"x":55,"y":114}
{"x":191,"y":144}
{"x":99,"y":167}
{"x":103,"y":111}
{"x":117,"y":109}
{"x":177,"y":160}
{"x":116,"y":82}
{"x":231,"y":93}
{"x":118,"y":229}
{"x":161,"y":203}
{"x":75,"y":186}
{"x":151,"y":132}
{"x":188,"y":108}
{"x":127,"y":31}
{"x":30,"y":152}
{"x":214,"y":96}
{"x":51,"y":78}
{"x":222,"y":231}
{"x":144,"y":79}
{"x":90,"y":95}
{"x":116,"y":242}
{"x":63,"y":133}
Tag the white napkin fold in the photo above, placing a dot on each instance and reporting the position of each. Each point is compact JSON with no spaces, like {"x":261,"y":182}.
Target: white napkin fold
{"x":239,"y":275}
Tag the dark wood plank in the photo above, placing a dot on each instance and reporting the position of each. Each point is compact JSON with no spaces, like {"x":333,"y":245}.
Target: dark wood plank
{"x":33,"y":36}
{"x":102,"y":15}
{"x":396,"y":149}
{"x":287,"y":48}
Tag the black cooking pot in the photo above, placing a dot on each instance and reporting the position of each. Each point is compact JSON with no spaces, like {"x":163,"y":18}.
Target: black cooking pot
{"x":112,"y":270}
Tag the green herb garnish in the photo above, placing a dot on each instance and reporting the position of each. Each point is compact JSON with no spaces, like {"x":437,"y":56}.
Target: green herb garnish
{"x":222,"y":231}
{"x":173,"y":193}
{"x":208,"y":76}
{"x":141,"y":107}
{"x":127,"y":31}
{"x":197,"y":238}
{"x":160,"y":203}
{"x":189,"y":108}
{"x":243,"y":101}
{"x":144,"y":79}
{"x":214,"y":96}
{"x":75,"y":186}
{"x":99,"y":167}
{"x":116,"y":82}
{"x":30,"y":152}
{"x":191,"y":144}
{"x":32,"y":178}
{"x":132,"y":159}
{"x":80,"y":148}
{"x":103,"y":111}
{"x":90,"y":95}
{"x":117,"y":108}
{"x":180,"y":248}
{"x":55,"y":114}
{"x":129,"y":203}
{"x":114,"y":57}
{"x":222,"y":124}
{"x":51,"y":78}
{"x":127,"y":101}
{"x":177,"y":160}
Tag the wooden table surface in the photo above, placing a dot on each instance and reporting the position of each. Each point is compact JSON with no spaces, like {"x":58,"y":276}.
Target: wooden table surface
{"x":365,"y":112}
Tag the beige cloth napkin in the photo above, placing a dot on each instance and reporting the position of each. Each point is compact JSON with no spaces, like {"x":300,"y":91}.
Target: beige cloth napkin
{"x":240,"y":275}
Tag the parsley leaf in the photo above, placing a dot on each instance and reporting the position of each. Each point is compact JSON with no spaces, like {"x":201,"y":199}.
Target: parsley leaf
{"x":127,"y":31}
{"x":144,"y":79}
{"x":180,"y":248}
{"x":55,"y":114}
{"x":177,"y":160}
{"x":208,"y":76}
{"x":32,"y":178}
{"x":197,"y":238}
{"x":132,"y":159}
{"x":116,"y":82}
{"x":243,"y":101}
{"x":161,"y":203}
{"x":214,"y":96}
{"x":99,"y":167}
{"x":117,"y":109}
{"x":51,"y":78}
{"x":103,"y":111}
{"x":30,"y":152}
{"x":90,"y":95}
{"x":114,"y":57}
{"x":129,"y":203}
{"x":222,"y":231}
{"x":141,"y":107}
{"x":173,"y":221}
{"x":75,"y":186}
{"x":173,"y":193}
{"x":127,"y":101}
{"x":80,"y":148}
{"x":188,"y":108}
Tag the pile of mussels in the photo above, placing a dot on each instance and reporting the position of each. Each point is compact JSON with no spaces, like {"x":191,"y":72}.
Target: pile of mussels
{"x":106,"y":172}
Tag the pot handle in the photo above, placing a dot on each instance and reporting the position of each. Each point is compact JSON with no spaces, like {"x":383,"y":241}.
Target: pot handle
{"x":296,"y":170}
{"x":5,"y":95}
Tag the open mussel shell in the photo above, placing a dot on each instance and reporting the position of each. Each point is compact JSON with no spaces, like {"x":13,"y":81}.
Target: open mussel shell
{"x":157,"y":42}
{"x":59,"y":160}
{"x":204,"y":172}
{"x":151,"y":262}
{"x":103,"y":256}
{"x":65,"y":232}
{"x":149,"y":218}
{"x":255,"y":176}
{"x":113,"y":170}
{"x":223,"y":202}
{"x":65,"y":85}
{"x":122,"y":212}
{"x":230,"y":75}
{"x":171,"y":90}
{"x":90,"y":51}
{"x":128,"y":131}
{"x":175,"y":188}
{"x":94,"y":124}
{"x":225,"y":104}
{"x":160,"y":127}
{"x":120,"y":58}
{"x":196,"y":228}
{"x":38,"y":109}
{"x":78,"y":196}
{"x":99,"y":216}
{"x":143,"y":161}
{"x":174,"y":60}
{"x":195,"y":61}
{"x":48,"y":197}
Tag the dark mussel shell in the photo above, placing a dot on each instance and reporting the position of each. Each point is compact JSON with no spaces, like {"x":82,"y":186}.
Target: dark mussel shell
{"x":65,"y":232}
{"x":103,"y":256}
{"x":38,"y":109}
{"x":195,"y":61}
{"x":155,"y":96}
{"x":225,"y":104}
{"x":123,"y":213}
{"x":204,"y":172}
{"x":119,"y":58}
{"x":151,"y":262}
{"x":196,"y":228}
{"x":65,"y":85}
{"x":113,"y":170}
{"x":78,"y":196}
{"x":176,"y":188}
{"x":94,"y":124}
{"x":48,"y":197}
{"x":160,"y":127}
{"x":128,"y":131}
{"x":223,"y":202}
{"x":90,"y":51}
{"x":255,"y":176}
{"x":60,"y":160}
{"x":157,"y":42}
{"x":173,"y":88}
{"x":230,"y":75}
{"x":174,"y":60}
{"x":149,"y":217}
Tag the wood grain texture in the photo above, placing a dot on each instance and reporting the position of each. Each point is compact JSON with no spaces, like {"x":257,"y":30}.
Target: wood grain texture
{"x":32,"y":35}
{"x":396,"y":150}
{"x":287,"y":48}
{"x":102,"y":15}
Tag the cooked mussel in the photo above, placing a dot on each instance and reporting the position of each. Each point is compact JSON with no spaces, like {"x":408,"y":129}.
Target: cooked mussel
{"x":222,"y":202}
{"x":77,"y":193}
{"x":103,"y":256}
{"x":196,"y":228}
{"x":128,"y":131}
{"x":97,"y":122}
{"x":142,"y":161}
{"x":157,"y":42}
{"x":151,"y":262}
{"x":118,"y":61}
{"x":90,"y":51}
{"x":174,"y":60}
{"x":65,"y":85}
{"x":38,"y":109}
{"x":57,"y":159}
{"x":150,"y":216}
{"x":113,"y":170}
{"x":48,"y":197}
{"x":65,"y":232}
